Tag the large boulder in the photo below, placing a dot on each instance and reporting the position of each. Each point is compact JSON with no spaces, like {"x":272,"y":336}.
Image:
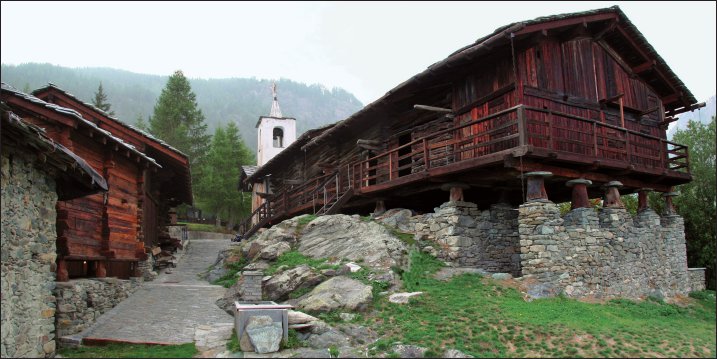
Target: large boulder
{"x":273,"y":251}
{"x":280,"y":285}
{"x":342,"y":236}
{"x":399,"y":218}
{"x":285,"y":231}
{"x":338,"y":293}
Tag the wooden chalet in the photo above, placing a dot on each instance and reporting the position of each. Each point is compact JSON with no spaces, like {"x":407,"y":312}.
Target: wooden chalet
{"x":581,"y":95}
{"x":161,"y":189}
{"x":98,"y":235}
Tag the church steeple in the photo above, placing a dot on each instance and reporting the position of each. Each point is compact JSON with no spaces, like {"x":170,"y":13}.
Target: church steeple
{"x":275,"y":110}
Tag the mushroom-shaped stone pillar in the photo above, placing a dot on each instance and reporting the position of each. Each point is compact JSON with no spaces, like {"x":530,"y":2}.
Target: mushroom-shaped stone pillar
{"x":669,"y":207}
{"x":612,"y":195}
{"x":536,"y":185}
{"x":456,"y":190}
{"x":580,"y":193}
{"x":380,"y":208}
{"x":642,"y":202}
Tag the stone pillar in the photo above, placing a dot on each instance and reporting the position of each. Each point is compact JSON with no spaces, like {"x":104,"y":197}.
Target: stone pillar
{"x":642,"y":202}
{"x":456,"y":190}
{"x":580,"y":193}
{"x":101,"y":271}
{"x":536,"y":186}
{"x":612,"y":195}
{"x":669,"y":207}
{"x":380,"y":208}
{"x":62,"y":274}
{"x":251,"y":285}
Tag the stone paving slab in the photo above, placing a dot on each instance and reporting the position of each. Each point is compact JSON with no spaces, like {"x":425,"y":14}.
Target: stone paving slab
{"x":170,"y":308}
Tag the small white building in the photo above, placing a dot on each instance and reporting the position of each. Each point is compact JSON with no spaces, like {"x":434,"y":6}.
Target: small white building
{"x":275,"y":132}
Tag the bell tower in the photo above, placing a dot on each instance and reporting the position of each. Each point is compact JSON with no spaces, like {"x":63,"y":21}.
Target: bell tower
{"x":275,"y":132}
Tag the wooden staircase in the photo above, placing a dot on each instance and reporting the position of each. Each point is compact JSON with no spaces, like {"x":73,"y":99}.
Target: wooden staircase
{"x":334,"y":204}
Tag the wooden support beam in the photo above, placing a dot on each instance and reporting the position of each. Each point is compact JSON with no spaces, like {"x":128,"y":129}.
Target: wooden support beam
{"x":648,"y":65}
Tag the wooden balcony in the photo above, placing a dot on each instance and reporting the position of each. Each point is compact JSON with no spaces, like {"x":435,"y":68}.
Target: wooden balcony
{"x":541,"y":137}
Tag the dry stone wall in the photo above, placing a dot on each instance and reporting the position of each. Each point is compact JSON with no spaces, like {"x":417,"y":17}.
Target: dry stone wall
{"x":603,"y":255}
{"x":471,"y":237}
{"x":81,"y":301}
{"x":28,"y":258}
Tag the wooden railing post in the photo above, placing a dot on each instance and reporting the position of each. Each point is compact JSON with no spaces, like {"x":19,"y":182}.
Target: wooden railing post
{"x":521,"y":125}
{"x":550,"y":130}
{"x":425,"y":155}
{"x":663,"y":146}
{"x":595,"y":139}
{"x":627,"y":146}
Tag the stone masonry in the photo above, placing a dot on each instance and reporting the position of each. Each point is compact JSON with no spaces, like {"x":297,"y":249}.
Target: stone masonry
{"x":28,"y":258}
{"x":471,"y":237}
{"x":250,"y":284}
{"x":602,"y":254}
{"x":697,"y":278}
{"x":81,"y":301}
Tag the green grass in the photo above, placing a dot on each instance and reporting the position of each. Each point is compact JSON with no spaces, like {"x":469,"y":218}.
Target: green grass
{"x":303,"y":221}
{"x":121,"y":350}
{"x":233,"y":343}
{"x":483,"y":318}
{"x":202,"y":227}
{"x":294,"y":258}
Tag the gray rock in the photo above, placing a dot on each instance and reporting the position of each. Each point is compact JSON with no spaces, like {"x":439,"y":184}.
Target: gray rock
{"x":359,"y":334}
{"x":296,"y":317}
{"x":265,"y":334}
{"x":402,"y":298}
{"x":331,"y":337}
{"x":338,"y":293}
{"x":347,"y":317}
{"x":280,"y":285}
{"x":311,"y":353}
{"x":501,"y":276}
{"x":409,"y":351}
{"x":452,"y":353}
{"x":398,"y":218}
{"x":273,"y":251}
{"x":447,"y":273}
{"x":342,"y":236}
{"x":216,"y":273}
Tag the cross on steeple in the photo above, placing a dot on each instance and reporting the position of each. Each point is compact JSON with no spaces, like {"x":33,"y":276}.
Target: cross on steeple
{"x":275,"y":110}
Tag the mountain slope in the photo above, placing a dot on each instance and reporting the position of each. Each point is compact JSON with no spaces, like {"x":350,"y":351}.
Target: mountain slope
{"x":221,"y":100}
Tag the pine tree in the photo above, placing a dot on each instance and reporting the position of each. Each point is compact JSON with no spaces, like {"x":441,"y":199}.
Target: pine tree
{"x":100,"y":101}
{"x":178,"y":121}
{"x":140,"y":123}
{"x":217,"y":189}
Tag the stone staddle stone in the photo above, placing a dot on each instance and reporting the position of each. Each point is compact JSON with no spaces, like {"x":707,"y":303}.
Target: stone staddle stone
{"x":670,"y":194}
{"x":572,"y":183}
{"x":617,"y":184}
{"x":544,"y":174}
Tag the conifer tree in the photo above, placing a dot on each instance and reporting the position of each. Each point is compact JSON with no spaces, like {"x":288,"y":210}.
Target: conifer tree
{"x":100,"y":101}
{"x":178,"y":121}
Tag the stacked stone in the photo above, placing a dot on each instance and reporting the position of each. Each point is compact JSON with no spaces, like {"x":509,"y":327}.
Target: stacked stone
{"x":81,"y":301}
{"x":251,"y":285}
{"x":28,"y":258}
{"x":146,"y":268}
{"x":604,"y":254}
{"x":697,"y":278}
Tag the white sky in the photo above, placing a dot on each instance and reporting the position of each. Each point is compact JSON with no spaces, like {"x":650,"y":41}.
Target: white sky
{"x":366,"y":48}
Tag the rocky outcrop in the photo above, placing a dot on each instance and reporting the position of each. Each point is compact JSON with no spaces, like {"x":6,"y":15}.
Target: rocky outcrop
{"x":399,"y":218}
{"x":338,"y":293}
{"x":264,"y":334}
{"x":280,"y":285}
{"x":342,"y":236}
{"x":402,"y":298}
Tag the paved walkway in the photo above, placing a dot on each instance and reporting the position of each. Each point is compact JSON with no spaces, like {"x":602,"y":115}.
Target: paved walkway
{"x":168,"y":309}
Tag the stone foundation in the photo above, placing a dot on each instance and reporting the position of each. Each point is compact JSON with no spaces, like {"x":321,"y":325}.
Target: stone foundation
{"x":28,"y":257}
{"x":81,"y":301}
{"x":602,"y":254}
{"x":470,"y":237}
{"x":697,"y":279}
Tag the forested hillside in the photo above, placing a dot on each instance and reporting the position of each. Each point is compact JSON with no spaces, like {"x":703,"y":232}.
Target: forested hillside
{"x":221,"y":100}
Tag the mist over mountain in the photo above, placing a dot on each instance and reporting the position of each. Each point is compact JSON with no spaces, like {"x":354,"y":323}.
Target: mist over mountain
{"x":242,"y":100}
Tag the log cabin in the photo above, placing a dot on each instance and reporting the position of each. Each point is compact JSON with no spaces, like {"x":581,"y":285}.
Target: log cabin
{"x":98,"y":235}
{"x":162,"y":189}
{"x":580,"y":95}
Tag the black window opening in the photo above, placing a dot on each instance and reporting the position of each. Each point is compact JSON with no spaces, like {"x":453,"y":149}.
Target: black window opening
{"x":278,"y":135}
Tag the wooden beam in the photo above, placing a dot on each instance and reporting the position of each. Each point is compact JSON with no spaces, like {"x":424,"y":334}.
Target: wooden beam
{"x":648,"y":65}
{"x":566,"y":22}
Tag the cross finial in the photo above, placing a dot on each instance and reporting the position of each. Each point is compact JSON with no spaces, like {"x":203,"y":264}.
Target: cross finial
{"x":275,"y":110}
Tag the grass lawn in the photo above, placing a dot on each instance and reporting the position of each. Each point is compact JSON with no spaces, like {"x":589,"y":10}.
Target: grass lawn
{"x":121,"y":350}
{"x":478,"y":316}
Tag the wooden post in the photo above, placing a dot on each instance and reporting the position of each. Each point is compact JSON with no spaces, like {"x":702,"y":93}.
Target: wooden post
{"x":622,"y":114}
{"x":612,"y":195}
{"x":101,"y":271}
{"x":595,"y":140}
{"x":580,"y":193}
{"x":425,"y":155}
{"x":521,"y":125}
{"x":62,"y":274}
{"x":642,"y":200}
{"x":536,"y":186}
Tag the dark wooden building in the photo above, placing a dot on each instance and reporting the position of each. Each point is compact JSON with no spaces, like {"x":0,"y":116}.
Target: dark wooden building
{"x":98,"y":235}
{"x":582,"y":95}
{"x":161,"y":189}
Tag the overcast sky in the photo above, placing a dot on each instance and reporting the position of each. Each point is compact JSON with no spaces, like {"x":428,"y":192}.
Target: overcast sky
{"x":366,"y":48}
